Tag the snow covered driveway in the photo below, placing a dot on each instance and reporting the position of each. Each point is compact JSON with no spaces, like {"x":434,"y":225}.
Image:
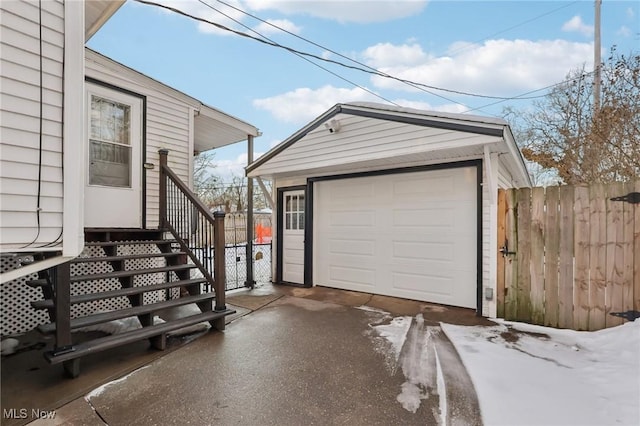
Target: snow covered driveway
{"x":432,"y":370}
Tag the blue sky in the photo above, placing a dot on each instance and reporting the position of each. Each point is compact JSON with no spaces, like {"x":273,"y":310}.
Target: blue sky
{"x":499,"y":48}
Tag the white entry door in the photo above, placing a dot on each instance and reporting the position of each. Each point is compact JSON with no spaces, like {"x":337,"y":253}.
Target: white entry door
{"x":113,"y":192}
{"x":293,"y":237}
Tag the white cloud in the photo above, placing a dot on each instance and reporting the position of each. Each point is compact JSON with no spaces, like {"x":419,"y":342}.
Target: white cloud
{"x":226,"y":169}
{"x":576,"y":24}
{"x":386,"y":54}
{"x":285,"y":24}
{"x":344,"y":10}
{"x":305,"y":104}
{"x":496,"y":67}
{"x":624,"y":31}
{"x":359,"y":11}
{"x":630,"y":13}
{"x":203,"y":11}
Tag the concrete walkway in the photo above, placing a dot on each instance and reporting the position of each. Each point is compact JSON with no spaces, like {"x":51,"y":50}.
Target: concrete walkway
{"x":302,"y":356}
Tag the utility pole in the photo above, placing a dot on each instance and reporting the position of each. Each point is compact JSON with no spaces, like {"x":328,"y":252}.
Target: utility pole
{"x":597,"y":76}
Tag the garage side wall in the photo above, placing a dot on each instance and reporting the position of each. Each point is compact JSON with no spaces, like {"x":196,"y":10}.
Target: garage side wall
{"x":489,"y":241}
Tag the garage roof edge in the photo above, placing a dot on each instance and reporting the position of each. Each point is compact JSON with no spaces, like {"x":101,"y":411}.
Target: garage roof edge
{"x":293,"y":138}
{"x":409,"y":117}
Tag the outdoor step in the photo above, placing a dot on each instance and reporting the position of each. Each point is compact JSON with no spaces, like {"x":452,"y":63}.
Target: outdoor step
{"x":126,"y":257}
{"x":129,"y":312}
{"x":114,"y":340}
{"x":120,"y":274}
{"x":127,"y":243}
{"x":39,"y":282}
{"x":91,"y":297}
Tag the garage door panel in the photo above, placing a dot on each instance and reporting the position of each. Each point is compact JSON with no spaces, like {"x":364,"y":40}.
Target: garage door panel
{"x":341,"y":246}
{"x":351,"y":274}
{"x":424,"y":218}
{"x":409,"y":235}
{"x":346,"y":195}
{"x":356,"y":218}
{"x":429,"y":251}
{"x":438,"y":285}
{"x":441,"y":186}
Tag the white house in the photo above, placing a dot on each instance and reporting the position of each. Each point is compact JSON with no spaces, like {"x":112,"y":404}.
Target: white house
{"x":80,"y":172}
{"x":392,"y":201}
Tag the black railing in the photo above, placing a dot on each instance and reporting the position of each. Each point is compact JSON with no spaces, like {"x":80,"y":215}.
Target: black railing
{"x":199,"y":233}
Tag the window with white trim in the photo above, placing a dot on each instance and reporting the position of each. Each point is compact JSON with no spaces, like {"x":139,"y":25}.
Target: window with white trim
{"x":294,"y":212}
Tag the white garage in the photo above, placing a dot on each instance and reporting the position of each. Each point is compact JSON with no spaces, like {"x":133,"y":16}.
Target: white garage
{"x":392,"y":201}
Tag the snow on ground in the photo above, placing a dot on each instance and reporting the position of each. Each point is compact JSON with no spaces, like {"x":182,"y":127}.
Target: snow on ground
{"x":531,"y":375}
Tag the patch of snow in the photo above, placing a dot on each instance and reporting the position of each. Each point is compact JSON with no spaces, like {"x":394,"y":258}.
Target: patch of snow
{"x":411,"y":397}
{"x":370,"y":309}
{"x":442,"y":391}
{"x":395,"y":333}
{"x":8,"y":346}
{"x":119,"y":325}
{"x":100,"y":389}
{"x":412,"y":348}
{"x":526,"y":374}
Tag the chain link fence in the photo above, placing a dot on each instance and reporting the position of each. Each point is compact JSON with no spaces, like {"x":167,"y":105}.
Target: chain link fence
{"x":236,"y":248}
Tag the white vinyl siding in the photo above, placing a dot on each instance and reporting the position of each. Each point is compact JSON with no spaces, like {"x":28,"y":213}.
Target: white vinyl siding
{"x":167,"y":123}
{"x":367,"y":140}
{"x":20,"y":123}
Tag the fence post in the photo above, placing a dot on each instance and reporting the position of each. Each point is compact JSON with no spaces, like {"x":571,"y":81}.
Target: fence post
{"x":219,"y":264}
{"x":500,"y":270}
{"x":163,"y":187}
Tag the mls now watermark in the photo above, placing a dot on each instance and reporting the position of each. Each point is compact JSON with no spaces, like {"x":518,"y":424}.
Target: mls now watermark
{"x":24,"y":413}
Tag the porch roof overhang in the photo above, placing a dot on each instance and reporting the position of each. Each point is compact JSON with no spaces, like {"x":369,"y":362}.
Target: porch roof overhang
{"x":214,"y":129}
{"x":96,"y":13}
{"x":457,"y":137}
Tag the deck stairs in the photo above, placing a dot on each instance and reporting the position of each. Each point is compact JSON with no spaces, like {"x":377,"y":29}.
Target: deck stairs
{"x":133,"y":273}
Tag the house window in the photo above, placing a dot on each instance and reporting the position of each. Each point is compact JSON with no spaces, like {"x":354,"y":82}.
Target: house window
{"x":294,"y":212}
{"x":109,"y":143}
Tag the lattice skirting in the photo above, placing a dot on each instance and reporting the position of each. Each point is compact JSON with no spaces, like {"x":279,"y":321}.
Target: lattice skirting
{"x":17,"y":315}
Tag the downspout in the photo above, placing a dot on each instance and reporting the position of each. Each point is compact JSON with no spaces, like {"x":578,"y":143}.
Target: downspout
{"x":250,"y":282}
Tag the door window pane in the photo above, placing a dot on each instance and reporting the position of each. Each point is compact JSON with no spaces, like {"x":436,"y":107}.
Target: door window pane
{"x":109,"y":143}
{"x":109,"y":164}
{"x":294,"y":212}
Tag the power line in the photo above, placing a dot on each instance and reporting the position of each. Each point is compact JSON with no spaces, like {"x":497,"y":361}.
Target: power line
{"x":416,"y":85}
{"x":535,"y":18}
{"x":372,"y":71}
{"x":299,"y":55}
{"x":569,"y":80}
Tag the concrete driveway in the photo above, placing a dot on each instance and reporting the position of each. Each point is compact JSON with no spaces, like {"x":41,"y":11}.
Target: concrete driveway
{"x":302,"y":356}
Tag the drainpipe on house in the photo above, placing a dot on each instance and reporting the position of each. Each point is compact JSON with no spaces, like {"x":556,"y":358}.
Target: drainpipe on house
{"x":250,"y":282}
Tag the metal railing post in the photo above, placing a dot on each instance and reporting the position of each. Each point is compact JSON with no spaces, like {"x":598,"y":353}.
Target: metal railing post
{"x":219,"y":264}
{"x":163,"y":187}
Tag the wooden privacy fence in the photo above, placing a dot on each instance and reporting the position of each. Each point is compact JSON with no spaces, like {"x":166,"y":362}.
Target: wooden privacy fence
{"x":569,"y":255}
{"x":235,"y":227}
